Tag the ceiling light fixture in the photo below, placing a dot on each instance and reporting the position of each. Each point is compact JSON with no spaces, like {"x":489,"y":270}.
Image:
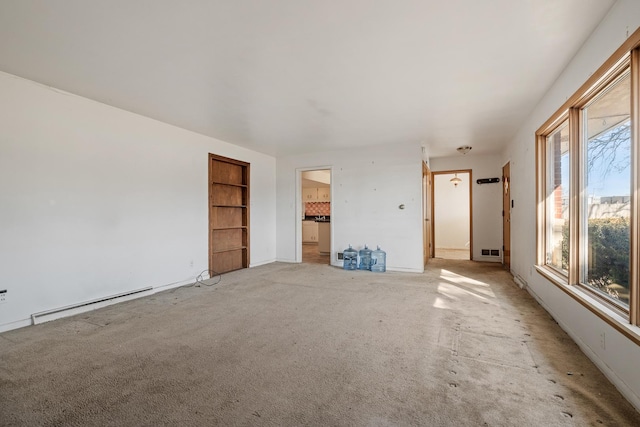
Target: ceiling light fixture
{"x":464,"y":149}
{"x":455,"y":180}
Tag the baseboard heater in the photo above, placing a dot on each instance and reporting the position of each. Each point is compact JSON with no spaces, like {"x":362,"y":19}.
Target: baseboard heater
{"x":37,"y":316}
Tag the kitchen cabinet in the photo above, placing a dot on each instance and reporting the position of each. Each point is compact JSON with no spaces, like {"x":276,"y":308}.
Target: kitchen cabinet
{"x":309,"y":232}
{"x":310,"y":194}
{"x":324,"y":194}
{"x":324,"y":237}
{"x":313,"y":194}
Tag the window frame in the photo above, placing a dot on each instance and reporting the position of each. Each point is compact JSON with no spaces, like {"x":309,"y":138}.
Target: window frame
{"x":545,"y":174}
{"x":626,"y":58}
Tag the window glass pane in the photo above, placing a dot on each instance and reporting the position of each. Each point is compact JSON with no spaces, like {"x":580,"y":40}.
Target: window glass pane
{"x":558,"y":199}
{"x":606,"y":200}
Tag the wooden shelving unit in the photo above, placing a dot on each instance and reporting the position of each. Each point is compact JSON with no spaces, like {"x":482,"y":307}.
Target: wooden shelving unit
{"x":228,"y":214}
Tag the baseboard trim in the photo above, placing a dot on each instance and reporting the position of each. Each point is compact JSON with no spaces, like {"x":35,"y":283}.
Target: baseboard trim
{"x":15,"y":325}
{"x":258,"y":264}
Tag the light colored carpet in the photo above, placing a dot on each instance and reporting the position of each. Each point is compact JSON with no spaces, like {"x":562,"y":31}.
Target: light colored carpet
{"x":305,"y":344}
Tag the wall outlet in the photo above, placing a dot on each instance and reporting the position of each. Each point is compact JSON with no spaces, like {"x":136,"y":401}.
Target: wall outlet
{"x":603,"y":342}
{"x":485,"y":252}
{"x":340,"y":255}
{"x":3,"y":296}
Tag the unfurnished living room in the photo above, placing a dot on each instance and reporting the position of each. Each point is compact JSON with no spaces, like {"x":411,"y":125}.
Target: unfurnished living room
{"x":353,"y":213}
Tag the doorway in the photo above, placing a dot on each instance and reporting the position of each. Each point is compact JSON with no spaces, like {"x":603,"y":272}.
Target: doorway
{"x":427,"y":242}
{"x":451,"y":215}
{"x":506,"y":216}
{"x":315,"y":186}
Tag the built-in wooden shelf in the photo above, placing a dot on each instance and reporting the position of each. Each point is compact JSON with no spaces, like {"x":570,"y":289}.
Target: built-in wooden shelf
{"x":228,"y":214}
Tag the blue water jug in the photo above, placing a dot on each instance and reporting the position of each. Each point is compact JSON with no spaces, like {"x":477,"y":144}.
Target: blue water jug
{"x":379,"y":260}
{"x":365,"y":258}
{"x":350,"y":258}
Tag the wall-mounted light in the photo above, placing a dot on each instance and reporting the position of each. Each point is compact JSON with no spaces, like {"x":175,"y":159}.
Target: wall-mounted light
{"x":455,"y":180}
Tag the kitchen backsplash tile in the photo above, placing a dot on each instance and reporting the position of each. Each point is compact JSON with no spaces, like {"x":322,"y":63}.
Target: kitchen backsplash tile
{"x":317,"y":208}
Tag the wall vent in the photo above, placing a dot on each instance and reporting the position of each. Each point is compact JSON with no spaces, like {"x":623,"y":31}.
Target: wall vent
{"x":490,"y":252}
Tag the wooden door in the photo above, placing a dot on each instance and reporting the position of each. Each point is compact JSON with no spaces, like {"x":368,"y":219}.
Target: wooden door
{"x":506,"y":216}
{"x":426,"y":213}
{"x":228,"y":214}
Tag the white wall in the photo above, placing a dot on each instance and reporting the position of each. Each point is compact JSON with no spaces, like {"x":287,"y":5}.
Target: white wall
{"x":367,"y":187}
{"x":618,"y":360}
{"x":96,"y":201}
{"x":486,"y":198}
{"x":451,"y":217}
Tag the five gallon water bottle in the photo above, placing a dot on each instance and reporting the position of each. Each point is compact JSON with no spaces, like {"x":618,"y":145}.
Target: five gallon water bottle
{"x":378,"y":260}
{"x":365,"y":258}
{"x":350,"y":257}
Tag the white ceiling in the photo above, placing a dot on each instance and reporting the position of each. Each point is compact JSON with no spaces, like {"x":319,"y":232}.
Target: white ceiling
{"x":292,"y":76}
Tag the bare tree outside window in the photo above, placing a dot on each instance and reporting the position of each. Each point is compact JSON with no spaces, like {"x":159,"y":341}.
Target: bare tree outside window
{"x":606,"y":211}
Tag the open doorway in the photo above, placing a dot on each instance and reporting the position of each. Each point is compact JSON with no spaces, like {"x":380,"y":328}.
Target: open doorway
{"x":506,"y":216}
{"x":316,"y":216}
{"x":451,"y":219}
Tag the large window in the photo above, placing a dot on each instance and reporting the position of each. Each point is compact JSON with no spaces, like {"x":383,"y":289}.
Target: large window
{"x":557,"y":253}
{"x":588,"y":177}
{"x":605,"y":215}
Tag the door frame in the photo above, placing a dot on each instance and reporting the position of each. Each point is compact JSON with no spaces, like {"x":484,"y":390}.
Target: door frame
{"x":427,"y":202}
{"x":506,"y":216}
{"x":298,"y":209}
{"x":433,"y":217}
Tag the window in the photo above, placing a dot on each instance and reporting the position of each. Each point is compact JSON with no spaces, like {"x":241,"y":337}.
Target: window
{"x":557,"y":214}
{"x":588,"y":175}
{"x":605,"y":214}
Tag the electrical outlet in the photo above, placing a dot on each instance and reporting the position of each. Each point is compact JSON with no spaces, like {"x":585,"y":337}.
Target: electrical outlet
{"x":603,"y":342}
{"x":3,"y":296}
{"x":340,"y":255}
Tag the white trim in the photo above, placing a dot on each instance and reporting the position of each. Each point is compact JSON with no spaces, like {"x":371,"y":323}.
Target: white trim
{"x":258,"y":264}
{"x":15,"y":325}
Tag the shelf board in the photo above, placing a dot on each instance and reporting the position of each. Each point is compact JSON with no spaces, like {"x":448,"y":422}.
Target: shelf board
{"x":229,"y":206}
{"x":230,"y":184}
{"x":242,"y":227}
{"x":229,"y":250}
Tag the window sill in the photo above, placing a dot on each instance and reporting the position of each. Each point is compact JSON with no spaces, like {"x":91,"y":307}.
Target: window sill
{"x":609,"y":315}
